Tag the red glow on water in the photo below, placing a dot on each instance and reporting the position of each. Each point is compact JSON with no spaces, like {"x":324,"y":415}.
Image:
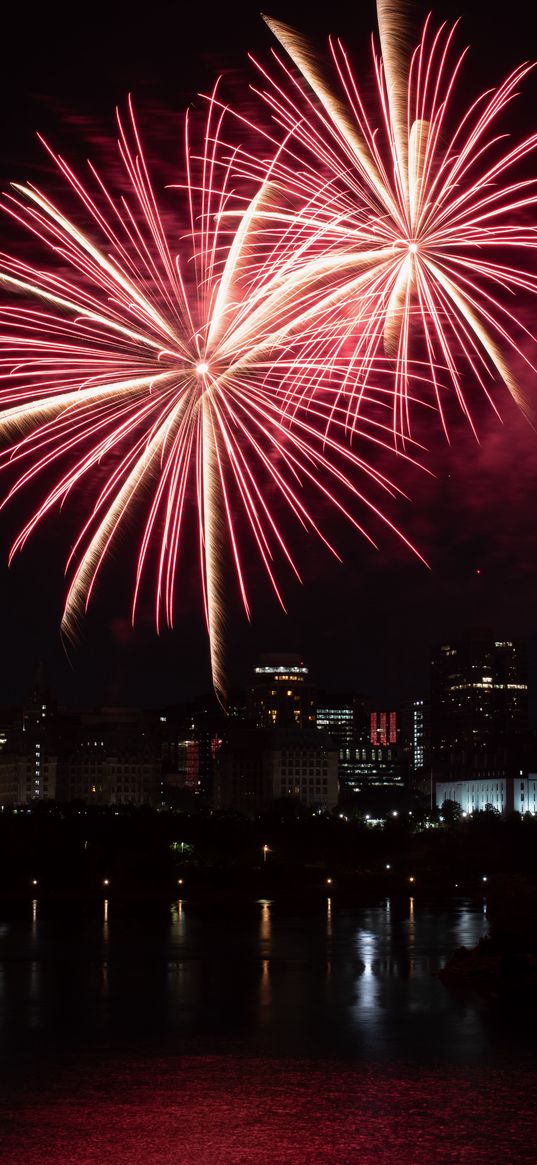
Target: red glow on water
{"x":243,"y":1111}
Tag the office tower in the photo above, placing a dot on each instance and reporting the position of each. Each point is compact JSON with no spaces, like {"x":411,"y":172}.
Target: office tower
{"x":190,"y":737}
{"x":35,"y":743}
{"x":344,"y":716}
{"x":414,"y":729}
{"x":479,"y":721}
{"x":281,"y":696}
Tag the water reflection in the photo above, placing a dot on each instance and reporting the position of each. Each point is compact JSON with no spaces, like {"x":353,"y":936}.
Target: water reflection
{"x":329,"y":929}
{"x":411,"y":936}
{"x":265,"y":924}
{"x":338,"y":981}
{"x":265,"y":994}
{"x":178,"y":919}
{"x":265,"y":934}
{"x":366,"y":945}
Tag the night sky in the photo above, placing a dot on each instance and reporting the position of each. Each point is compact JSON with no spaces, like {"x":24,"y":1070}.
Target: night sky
{"x":366,"y":624}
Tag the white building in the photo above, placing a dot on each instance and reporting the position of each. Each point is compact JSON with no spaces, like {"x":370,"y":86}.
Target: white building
{"x":505,"y":794}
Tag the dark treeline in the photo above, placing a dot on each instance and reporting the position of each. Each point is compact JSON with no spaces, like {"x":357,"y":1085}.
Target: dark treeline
{"x":63,"y":851}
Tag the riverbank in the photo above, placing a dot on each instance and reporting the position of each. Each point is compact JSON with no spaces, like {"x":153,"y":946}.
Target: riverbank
{"x":505,"y":960}
{"x":70,"y":853}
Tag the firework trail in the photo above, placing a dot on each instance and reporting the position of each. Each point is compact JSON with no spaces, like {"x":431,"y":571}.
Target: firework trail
{"x":164,"y":378}
{"x":409,"y":223}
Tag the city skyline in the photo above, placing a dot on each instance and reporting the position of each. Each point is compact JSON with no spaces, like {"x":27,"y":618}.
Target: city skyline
{"x":469,"y":742}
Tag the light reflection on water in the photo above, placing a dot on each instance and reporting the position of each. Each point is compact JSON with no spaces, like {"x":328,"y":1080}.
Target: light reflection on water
{"x":357,"y":983}
{"x":265,"y":925}
{"x":256,"y":1037}
{"x":366,"y":982}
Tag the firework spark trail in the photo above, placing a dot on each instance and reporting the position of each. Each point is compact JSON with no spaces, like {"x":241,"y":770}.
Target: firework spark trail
{"x":410,"y":227}
{"x":143,"y":377}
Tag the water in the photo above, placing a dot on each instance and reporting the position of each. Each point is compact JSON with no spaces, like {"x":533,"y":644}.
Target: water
{"x":257,"y":1035}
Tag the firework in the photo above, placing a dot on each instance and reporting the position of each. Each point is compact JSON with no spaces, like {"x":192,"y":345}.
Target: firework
{"x":410,"y":222}
{"x":163,"y":378}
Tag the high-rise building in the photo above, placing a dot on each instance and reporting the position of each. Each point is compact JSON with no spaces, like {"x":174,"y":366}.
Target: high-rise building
{"x":190,"y":737}
{"x":368,"y":767}
{"x":419,"y":741}
{"x":281,"y":696}
{"x":242,"y":778}
{"x":34,"y":742}
{"x":369,"y":754}
{"x":344,"y":716}
{"x":415,"y":733}
{"x":479,"y":719}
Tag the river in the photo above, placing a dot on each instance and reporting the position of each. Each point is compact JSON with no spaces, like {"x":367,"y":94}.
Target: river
{"x":257,"y":1034}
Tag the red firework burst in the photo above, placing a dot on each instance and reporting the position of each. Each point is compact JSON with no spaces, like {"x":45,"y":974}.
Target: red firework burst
{"x":409,"y":223}
{"x":137,"y":371}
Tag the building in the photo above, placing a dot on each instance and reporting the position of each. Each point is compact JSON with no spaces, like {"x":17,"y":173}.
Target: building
{"x":111,"y":756}
{"x":11,"y":791}
{"x":371,"y":768}
{"x":255,"y":767}
{"x":281,"y":696}
{"x":369,"y":756}
{"x":305,"y":766}
{"x":479,"y":720}
{"x":505,"y":794}
{"x":415,"y":739}
{"x":242,"y":779}
{"x":30,"y":744}
{"x":419,"y":735}
{"x":12,"y":782}
{"x":344,"y":716}
{"x":191,"y":735}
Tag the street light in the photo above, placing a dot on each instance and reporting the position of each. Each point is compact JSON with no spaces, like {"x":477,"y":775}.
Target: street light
{"x":106,"y":881}
{"x":266,"y":850}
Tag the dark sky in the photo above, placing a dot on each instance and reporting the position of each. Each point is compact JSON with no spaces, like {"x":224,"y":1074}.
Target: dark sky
{"x":366,"y":624}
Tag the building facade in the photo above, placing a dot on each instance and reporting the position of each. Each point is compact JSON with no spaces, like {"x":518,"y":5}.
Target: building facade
{"x":111,"y":756}
{"x":255,"y":767}
{"x":505,"y":795}
{"x":479,"y":720}
{"x":281,"y":695}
